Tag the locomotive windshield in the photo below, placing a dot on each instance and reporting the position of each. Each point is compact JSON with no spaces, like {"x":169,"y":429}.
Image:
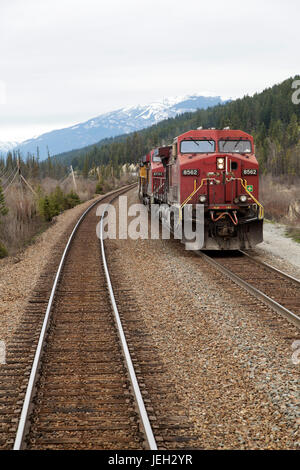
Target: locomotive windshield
{"x":235,"y":146}
{"x":197,"y":146}
{"x":156,"y":158}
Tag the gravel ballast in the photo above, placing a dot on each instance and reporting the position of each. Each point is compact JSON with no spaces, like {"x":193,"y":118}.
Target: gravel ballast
{"x":228,"y":357}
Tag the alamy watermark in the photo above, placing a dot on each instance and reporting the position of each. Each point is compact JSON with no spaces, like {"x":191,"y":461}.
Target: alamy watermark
{"x":2,"y":352}
{"x":183,"y":223}
{"x":296,"y":353}
{"x":296,"y":94}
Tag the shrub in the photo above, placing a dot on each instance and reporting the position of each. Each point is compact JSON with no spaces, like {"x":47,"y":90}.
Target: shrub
{"x":71,"y":200}
{"x":279,"y":199}
{"x":99,"y":188}
{"x":3,"y":251}
{"x":45,"y":208}
{"x":56,"y":202}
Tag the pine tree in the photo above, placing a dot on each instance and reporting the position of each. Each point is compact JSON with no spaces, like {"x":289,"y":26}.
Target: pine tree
{"x":293,"y":131}
{"x":45,"y":209}
{"x":85,"y":170}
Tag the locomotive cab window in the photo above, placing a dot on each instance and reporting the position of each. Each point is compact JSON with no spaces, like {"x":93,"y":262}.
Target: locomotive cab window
{"x":235,"y":146}
{"x":197,"y":146}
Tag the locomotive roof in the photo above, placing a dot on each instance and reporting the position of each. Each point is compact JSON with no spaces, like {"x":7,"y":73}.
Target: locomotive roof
{"x":215,"y":134}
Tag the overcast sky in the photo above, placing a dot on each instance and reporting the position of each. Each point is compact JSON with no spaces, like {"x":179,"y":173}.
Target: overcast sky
{"x":65,"y":61}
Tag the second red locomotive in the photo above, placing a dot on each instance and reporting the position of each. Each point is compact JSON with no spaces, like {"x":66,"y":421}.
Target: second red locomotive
{"x":217,"y":169}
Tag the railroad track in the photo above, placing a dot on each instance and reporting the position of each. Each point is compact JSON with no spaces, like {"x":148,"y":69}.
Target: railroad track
{"x":83,"y":393}
{"x":80,"y":391}
{"x":66,"y":384}
{"x":273,"y":287}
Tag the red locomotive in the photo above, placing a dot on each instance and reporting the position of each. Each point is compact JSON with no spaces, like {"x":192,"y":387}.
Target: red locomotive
{"x":214,"y":168}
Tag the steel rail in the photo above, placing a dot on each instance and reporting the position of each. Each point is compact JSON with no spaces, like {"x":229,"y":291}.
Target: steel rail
{"x":138,"y":396}
{"x":38,"y":353}
{"x":290,"y":316}
{"x":272,"y":268}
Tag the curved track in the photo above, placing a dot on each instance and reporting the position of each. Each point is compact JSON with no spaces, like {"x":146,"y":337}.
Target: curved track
{"x":275,"y":288}
{"x":79,"y":393}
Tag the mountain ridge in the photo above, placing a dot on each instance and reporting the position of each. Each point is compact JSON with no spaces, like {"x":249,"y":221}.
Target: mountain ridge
{"x":111,"y":124}
{"x":6,"y":146}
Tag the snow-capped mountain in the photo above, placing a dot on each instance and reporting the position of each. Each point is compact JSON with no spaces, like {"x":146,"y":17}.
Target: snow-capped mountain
{"x":6,"y":146}
{"x":121,"y":121}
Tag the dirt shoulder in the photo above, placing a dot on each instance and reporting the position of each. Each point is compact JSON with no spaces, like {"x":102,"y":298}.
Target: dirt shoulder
{"x":279,"y":250}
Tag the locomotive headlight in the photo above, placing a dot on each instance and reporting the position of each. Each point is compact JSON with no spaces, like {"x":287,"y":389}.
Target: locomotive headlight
{"x":220,"y":163}
{"x":202,"y":198}
{"x":243,"y":198}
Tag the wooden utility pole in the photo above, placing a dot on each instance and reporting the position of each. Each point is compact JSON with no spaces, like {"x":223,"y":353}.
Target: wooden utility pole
{"x":98,"y":173}
{"x":29,"y":186}
{"x":21,"y":177}
{"x":74,"y":181}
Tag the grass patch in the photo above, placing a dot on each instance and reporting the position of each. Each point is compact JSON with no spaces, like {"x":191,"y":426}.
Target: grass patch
{"x":269,"y":221}
{"x":294,"y":233}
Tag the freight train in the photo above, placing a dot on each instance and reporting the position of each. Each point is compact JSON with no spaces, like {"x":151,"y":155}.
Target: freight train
{"x":215,"y":168}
